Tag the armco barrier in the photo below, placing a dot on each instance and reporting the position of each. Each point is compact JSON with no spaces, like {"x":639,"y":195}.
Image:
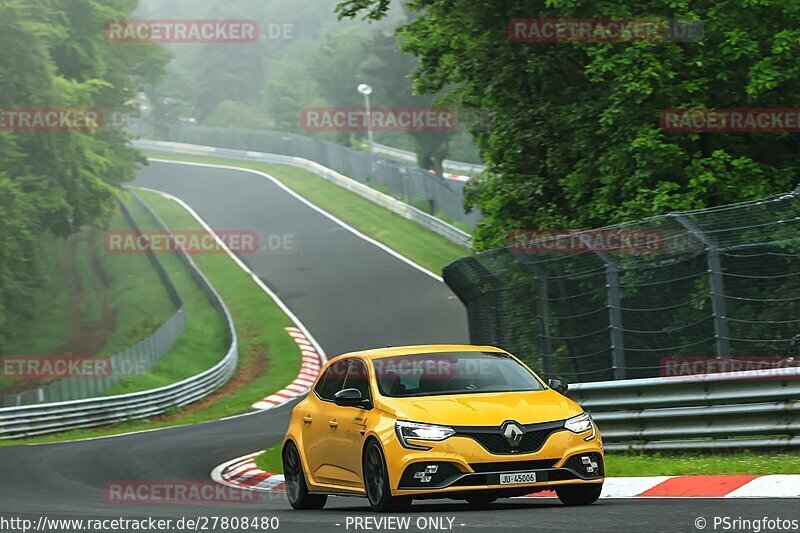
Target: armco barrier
{"x":752,"y":409}
{"x":407,"y":211}
{"x":46,"y":418}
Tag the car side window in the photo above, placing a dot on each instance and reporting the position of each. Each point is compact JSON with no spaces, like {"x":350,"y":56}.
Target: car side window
{"x":332,"y":381}
{"x":357,"y":378}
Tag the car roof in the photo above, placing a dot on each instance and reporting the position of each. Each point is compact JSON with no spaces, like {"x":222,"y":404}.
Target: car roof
{"x":392,"y":351}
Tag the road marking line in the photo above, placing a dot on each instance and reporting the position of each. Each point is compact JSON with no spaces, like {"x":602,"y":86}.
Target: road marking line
{"x":299,"y":325}
{"x":313,"y":206}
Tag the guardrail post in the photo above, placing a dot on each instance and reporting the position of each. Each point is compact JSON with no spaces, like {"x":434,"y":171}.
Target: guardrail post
{"x":721,"y":326}
{"x":614,"y":310}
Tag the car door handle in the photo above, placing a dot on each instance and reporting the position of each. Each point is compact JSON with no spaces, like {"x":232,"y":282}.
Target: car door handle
{"x":307,"y":419}
{"x":333,"y":424}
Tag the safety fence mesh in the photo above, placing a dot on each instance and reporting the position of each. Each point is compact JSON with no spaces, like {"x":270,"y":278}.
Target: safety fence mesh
{"x":644,"y":299}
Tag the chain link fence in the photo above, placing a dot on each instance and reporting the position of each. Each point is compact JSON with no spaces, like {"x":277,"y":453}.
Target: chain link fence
{"x":413,"y":185}
{"x":643,"y":299}
{"x":133,"y":361}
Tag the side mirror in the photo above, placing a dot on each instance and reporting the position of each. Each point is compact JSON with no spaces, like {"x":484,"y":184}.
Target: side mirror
{"x":350,"y":398}
{"x":558,"y":385}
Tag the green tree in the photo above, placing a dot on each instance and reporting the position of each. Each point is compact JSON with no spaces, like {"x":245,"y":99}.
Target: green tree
{"x":576,"y":140}
{"x":55,"y":56}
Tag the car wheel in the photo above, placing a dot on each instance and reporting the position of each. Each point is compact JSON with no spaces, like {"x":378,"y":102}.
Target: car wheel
{"x":579,"y":494}
{"x":376,"y":482}
{"x":481,"y":501}
{"x":295,"y":482}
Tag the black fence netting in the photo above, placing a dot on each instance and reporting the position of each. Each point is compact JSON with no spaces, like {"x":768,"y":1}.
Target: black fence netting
{"x":694,"y":292}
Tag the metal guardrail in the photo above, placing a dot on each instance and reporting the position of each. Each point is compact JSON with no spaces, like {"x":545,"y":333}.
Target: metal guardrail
{"x":752,"y":409}
{"x":27,"y":421}
{"x":406,"y":211}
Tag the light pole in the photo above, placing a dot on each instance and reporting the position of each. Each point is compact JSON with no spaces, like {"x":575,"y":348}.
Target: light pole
{"x":366,"y":90}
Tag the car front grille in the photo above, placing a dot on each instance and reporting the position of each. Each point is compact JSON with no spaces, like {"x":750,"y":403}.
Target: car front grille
{"x":514,"y":466}
{"x":492,"y":439}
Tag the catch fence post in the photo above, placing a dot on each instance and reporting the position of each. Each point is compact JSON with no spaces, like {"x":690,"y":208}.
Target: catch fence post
{"x":718,"y":306}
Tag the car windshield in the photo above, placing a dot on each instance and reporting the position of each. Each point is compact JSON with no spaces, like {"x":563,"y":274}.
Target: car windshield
{"x":435,"y":374}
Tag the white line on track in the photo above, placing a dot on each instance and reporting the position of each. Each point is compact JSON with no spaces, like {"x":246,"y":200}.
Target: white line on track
{"x":244,"y":267}
{"x":313,"y":206}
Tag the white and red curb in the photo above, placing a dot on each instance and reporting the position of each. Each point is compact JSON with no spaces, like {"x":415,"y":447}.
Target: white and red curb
{"x":702,"y":486}
{"x":308,"y":373}
{"x":244,"y":474}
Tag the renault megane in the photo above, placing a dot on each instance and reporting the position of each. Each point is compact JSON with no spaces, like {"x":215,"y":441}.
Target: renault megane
{"x":443,"y":421}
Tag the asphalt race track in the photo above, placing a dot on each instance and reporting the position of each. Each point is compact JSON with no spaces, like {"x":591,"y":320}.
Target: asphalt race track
{"x":350,"y":294}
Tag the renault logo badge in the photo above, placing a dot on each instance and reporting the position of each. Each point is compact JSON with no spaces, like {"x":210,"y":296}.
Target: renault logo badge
{"x":513,"y":433}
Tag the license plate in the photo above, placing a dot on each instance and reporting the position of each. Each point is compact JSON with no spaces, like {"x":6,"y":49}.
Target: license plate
{"x":518,"y":479}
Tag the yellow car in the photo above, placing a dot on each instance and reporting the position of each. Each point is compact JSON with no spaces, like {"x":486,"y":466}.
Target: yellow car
{"x":443,"y":421}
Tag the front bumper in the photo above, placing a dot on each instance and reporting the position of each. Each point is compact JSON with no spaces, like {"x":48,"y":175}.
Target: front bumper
{"x":466,"y":466}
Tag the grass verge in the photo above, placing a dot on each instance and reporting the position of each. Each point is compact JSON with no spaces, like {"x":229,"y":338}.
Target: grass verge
{"x":260,"y":326}
{"x":673,"y":464}
{"x":408,"y":238}
{"x":202,"y":344}
{"x":270,"y":460}
{"x":47,"y":325}
{"x":88,"y":302}
{"x":135,"y":292}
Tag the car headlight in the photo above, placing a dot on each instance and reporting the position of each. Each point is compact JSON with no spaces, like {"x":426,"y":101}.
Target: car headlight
{"x":412,"y":430}
{"x":581,"y":424}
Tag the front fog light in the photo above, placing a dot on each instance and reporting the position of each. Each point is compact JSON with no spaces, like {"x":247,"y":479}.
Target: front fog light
{"x":422,"y":477}
{"x":426,"y":474}
{"x":581,"y":424}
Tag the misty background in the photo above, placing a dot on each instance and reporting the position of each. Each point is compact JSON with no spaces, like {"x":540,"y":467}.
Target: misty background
{"x":306,"y":58}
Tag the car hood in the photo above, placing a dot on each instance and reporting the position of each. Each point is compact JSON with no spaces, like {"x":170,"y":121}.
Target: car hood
{"x":486,"y":409}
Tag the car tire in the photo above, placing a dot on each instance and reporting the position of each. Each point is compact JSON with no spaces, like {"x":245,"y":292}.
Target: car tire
{"x":481,"y":501}
{"x":295,"y":482}
{"x":579,"y":494}
{"x":376,"y":482}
